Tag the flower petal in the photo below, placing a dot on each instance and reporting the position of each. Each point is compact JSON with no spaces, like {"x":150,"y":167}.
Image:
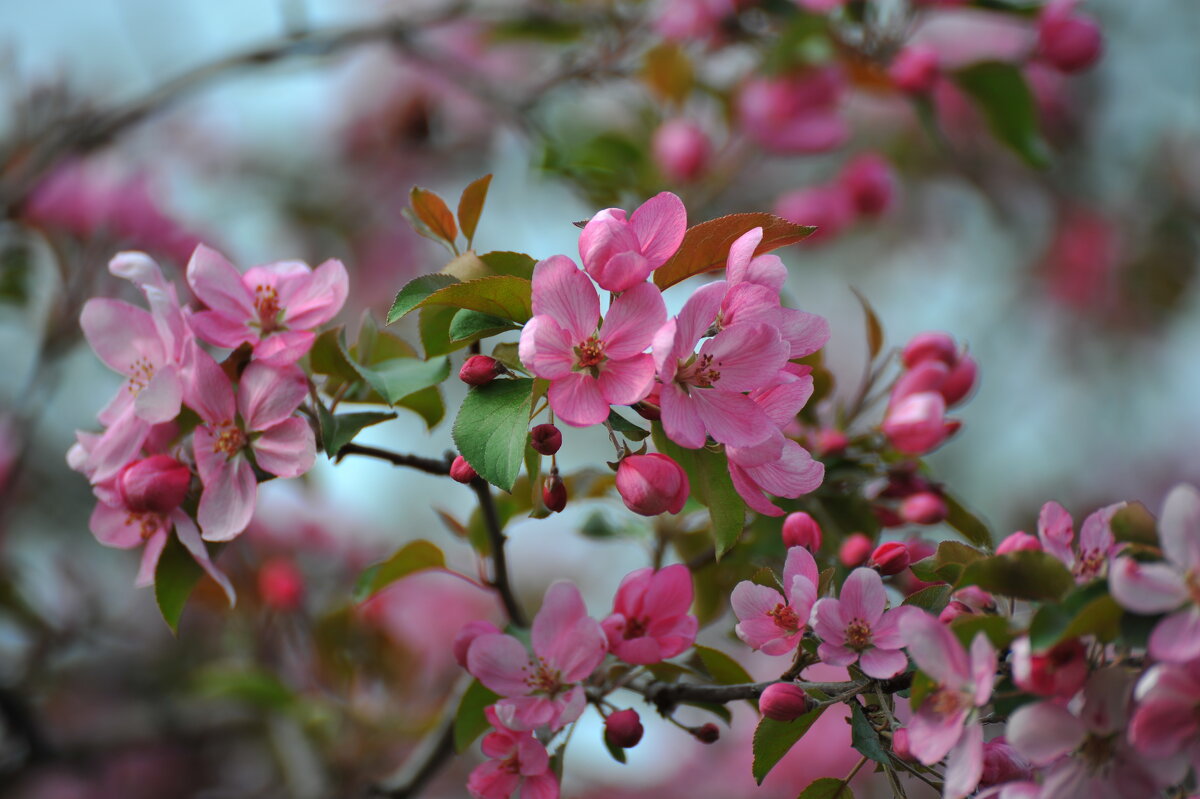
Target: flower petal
{"x":964,"y":765}
{"x":882,"y":664}
{"x":189,"y":536}
{"x":1043,"y":732}
{"x":564,"y":635}
{"x":288,"y":449}
{"x":632,"y":320}
{"x":1179,"y":528}
{"x":546,"y":349}
{"x":729,"y":417}
{"x":741,"y":252}
{"x":312,"y":301}
{"x":681,"y":417}
{"x":627,"y":381}
{"x":935,"y":649}
{"x":269,"y":394}
{"x":219,"y":285}
{"x":800,"y":563}
{"x":563,"y":292}
{"x":500,"y":662}
{"x":227,"y":501}
{"x":660,"y":224}
{"x":1146,"y":588}
{"x":577,"y":400}
{"x":1176,"y":639}
{"x":746,"y":356}
{"x":863,"y":596}
{"x":285,"y":347}
{"x":121,"y":334}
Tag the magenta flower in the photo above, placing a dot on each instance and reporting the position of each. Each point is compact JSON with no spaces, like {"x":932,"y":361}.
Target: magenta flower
{"x":259,"y":424}
{"x":769,"y":622}
{"x":1166,"y":722}
{"x":1096,"y":542}
{"x":947,"y":722}
{"x":590,"y":364}
{"x":857,"y":629}
{"x":543,"y":688}
{"x":620,"y":253}
{"x":650,"y":621}
{"x":517,"y":760}
{"x":916,"y":424}
{"x":273,"y":307}
{"x":1150,"y":588}
{"x":702,"y":393}
{"x":794,"y":114}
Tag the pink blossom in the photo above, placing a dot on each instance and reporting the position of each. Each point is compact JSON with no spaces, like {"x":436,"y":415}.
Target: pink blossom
{"x":1096,"y":544}
{"x":1060,"y":671}
{"x":259,"y":421}
{"x":517,"y":760}
{"x":681,"y":150}
{"x":946,"y":724}
{"x":543,"y":688}
{"x":1017,"y":542}
{"x":693,"y":19}
{"x":619,"y":252}
{"x":856,"y":628}
{"x":772,"y":623}
{"x":869,"y":179}
{"x":930,"y":346}
{"x":1069,"y":41}
{"x":274,"y":307}
{"x":801,"y":530}
{"x":1172,"y":586}
{"x":652,"y":484}
{"x":914,"y":69}
{"x":1002,"y":763}
{"x":830,"y":208}
{"x":650,"y":621}
{"x":589,"y":366}
{"x":794,"y":113}
{"x":916,"y":424}
{"x":1166,"y":722}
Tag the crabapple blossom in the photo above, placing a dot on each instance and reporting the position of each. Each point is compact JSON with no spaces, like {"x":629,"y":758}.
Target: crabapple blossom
{"x":1060,"y":671}
{"x":619,"y":252}
{"x":1096,"y":543}
{"x":1002,"y":763}
{"x":652,"y":484}
{"x":554,"y":493}
{"x":888,"y":559}
{"x":1166,"y":721}
{"x":467,"y":635}
{"x":829,"y":208}
{"x":1017,"y":542}
{"x":1068,"y":40}
{"x":794,"y":113}
{"x":651,"y":621}
{"x":914,"y":69}
{"x":933,"y":345}
{"x":773,"y":623}
{"x":516,"y":760}
{"x":801,"y":530}
{"x":856,"y":628}
{"x":681,"y":149}
{"x":461,"y":471}
{"x":917,"y":424}
{"x":923,"y":507}
{"x":479,"y":370}
{"x":869,"y":180}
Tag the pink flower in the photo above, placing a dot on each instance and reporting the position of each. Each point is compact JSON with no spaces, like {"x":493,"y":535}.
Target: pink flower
{"x":273,"y":307}
{"x":589,"y":366}
{"x":772,"y":623}
{"x":1060,"y":671}
{"x":652,"y":484}
{"x":1096,"y":543}
{"x":517,"y":760}
{"x":693,"y":19}
{"x":914,"y":69}
{"x":650,"y":621}
{"x":1017,"y":542}
{"x":801,"y":530}
{"x":1002,"y":763}
{"x":619,"y":253}
{"x":568,"y":645}
{"x":830,"y":208}
{"x":681,"y":150}
{"x":916,"y":424}
{"x":1150,"y":588}
{"x":795,"y":113}
{"x":946,"y":723}
{"x":857,"y":629}
{"x":260,"y":420}
{"x":871,"y":183}
{"x":1069,"y":41}
{"x":1166,"y":722}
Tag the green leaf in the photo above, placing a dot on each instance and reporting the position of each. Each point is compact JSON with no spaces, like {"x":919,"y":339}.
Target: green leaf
{"x":506,"y":296}
{"x":863,"y":736}
{"x":947,"y":563}
{"x":432,"y":210}
{"x":469,"y":325}
{"x":328,"y":357}
{"x":248,"y":685}
{"x":705,"y":246}
{"x":503,"y":262}
{"x":1088,"y":610}
{"x":174,"y":578}
{"x":427,"y":404}
{"x":492,"y":429}
{"x":933,"y":598}
{"x":1027,"y":574}
{"x":400,"y":377}
{"x":413,"y":557}
{"x":338,"y":431}
{"x":827,"y":788}
{"x":625,"y":427}
{"x":1001,"y":93}
{"x":966,"y":523}
{"x":721,"y":667}
{"x":506,"y":353}
{"x":1135,"y":524}
{"x":708,"y":477}
{"x":618,"y":754}
{"x":994,"y":627}
{"x":417,"y":291}
{"x":874,"y":328}
{"x":773,"y":739}
{"x":433,"y":323}
{"x":470,"y":205}
{"x":469,"y":721}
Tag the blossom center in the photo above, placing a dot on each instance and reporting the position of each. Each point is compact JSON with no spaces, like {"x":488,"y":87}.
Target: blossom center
{"x":702,"y":373}
{"x":785,"y":618}
{"x":858,"y":634}
{"x":140,"y":373}
{"x":230,"y":440}
{"x":1192,"y":578}
{"x":636,"y":628}
{"x":590,"y":353}
{"x":543,"y":679}
{"x":947,"y":701}
{"x":1098,"y":750}
{"x":149,"y":523}
{"x":1091,"y":562}
{"x":266,"y":303}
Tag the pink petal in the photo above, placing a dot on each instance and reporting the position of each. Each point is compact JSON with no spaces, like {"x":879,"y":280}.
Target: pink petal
{"x":313,"y":301}
{"x":631,"y":592}
{"x":227,"y":501}
{"x":660,"y":224}
{"x":563,"y":292}
{"x":741,"y":252}
{"x":964,"y":765}
{"x":219,"y":285}
{"x":748,"y":303}
{"x":983,"y":668}
{"x":500,"y":743}
{"x":782,"y":644}
{"x":500,"y":662}
{"x":640,"y":651}
{"x":189,"y":536}
{"x":670,"y":592}
{"x":1176,"y":639}
{"x":794,"y":474}
{"x":150,"y":555}
{"x":681,"y":417}
{"x":800,"y":563}
{"x":746,"y":355}
{"x":121,"y":334}
{"x":159,"y":401}
{"x":569,"y":706}
{"x":697,"y":316}
{"x":665,"y":354}
{"x":526,"y":712}
{"x":577,"y":400}
{"x":210,"y":394}
{"x":1043,"y":732}
{"x":729,"y":417}
{"x":1096,"y":532}
{"x":627,"y":381}
{"x":863,"y":596}
{"x":542,"y":786}
{"x":750,"y":492}
{"x":1146,"y":588}
{"x":932,"y":735}
{"x":1162,"y":728}
{"x":117,"y":527}
{"x":802,"y":595}
{"x":288,"y":449}
{"x":490,"y":780}
{"x":1106,"y":700}
{"x":532,"y":756}
{"x":828,"y":622}
{"x":882,"y":664}
{"x":753,"y":601}
{"x":284,"y":348}
{"x":546,"y":349}
{"x":804,"y":333}
{"x":564,"y":635}
{"x":267,"y":395}
{"x":221,"y":330}
{"x":935,"y":649}
{"x":886,"y":632}
{"x":632,"y":320}
{"x":766,"y":270}
{"x":1056,"y":531}
{"x":782,"y":401}
{"x":836,"y":655}
{"x":622,"y":271}
{"x":118,"y":445}
{"x":1179,"y":529}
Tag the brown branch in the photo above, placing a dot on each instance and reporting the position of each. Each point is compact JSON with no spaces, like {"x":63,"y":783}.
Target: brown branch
{"x":422,"y":464}
{"x":495,"y":531}
{"x":665,"y":695}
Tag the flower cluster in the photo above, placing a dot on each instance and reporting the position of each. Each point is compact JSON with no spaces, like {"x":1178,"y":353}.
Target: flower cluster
{"x":937,"y":377}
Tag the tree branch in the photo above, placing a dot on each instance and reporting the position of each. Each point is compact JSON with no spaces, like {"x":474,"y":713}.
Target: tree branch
{"x":665,"y":695}
{"x":495,"y":531}
{"x":422,"y":464}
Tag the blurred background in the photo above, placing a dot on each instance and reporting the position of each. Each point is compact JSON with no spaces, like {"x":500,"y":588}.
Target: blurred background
{"x":1060,"y":245}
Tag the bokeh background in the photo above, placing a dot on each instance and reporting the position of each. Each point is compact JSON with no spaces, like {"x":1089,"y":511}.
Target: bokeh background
{"x":1073,"y":286}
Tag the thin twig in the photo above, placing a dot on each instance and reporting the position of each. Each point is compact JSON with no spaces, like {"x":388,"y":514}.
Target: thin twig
{"x":667,"y":694}
{"x":429,"y":756}
{"x":418,"y":462}
{"x":491,"y":521}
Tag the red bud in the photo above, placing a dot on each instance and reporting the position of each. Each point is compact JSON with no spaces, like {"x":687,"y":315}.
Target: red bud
{"x":462,"y":471}
{"x":479,"y":370}
{"x":157,"y":484}
{"x":801,"y":530}
{"x":855,"y":550}
{"x":925,"y":507}
{"x":554,"y":493}
{"x":890,"y":558}
{"x":1017,"y":542}
{"x":924,"y":346}
{"x":652,"y":484}
{"x":623,"y":728}
{"x":708,"y":733}
{"x":784,"y":701}
{"x":545,"y":439}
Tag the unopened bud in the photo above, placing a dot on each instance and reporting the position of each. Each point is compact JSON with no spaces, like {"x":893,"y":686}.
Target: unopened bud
{"x":467,"y":635}
{"x":869,"y":180}
{"x":976,"y":598}
{"x":708,"y":733}
{"x":157,"y":484}
{"x":280,"y":584}
{"x":900,"y":744}
{"x":554,"y":493}
{"x":953,"y":611}
{"x":914,"y":69}
{"x":623,"y":728}
{"x":545,"y":439}
{"x":783,"y":701}
{"x":1060,"y":671}
{"x":925,"y":507}
{"x":933,"y":345}
{"x":681,"y":150}
{"x":890,"y":558}
{"x":462,"y":471}
{"x":1017,"y":542}
{"x":961,"y":380}
{"x":1002,"y":763}
{"x":855,"y":550}
{"x":1068,"y":41}
{"x":801,"y":530}
{"x":652,"y":484}
{"x":479,"y":370}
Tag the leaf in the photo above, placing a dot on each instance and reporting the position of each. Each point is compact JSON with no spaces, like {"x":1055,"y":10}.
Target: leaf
{"x":503,"y":262}
{"x":338,"y":431}
{"x":1087,"y":610}
{"x":863,"y":737}
{"x":721,"y":667}
{"x":706,"y":246}
{"x":827,"y":788}
{"x":1027,"y":574}
{"x":506,"y":353}
{"x":966,"y":523}
{"x":708,"y":476}
{"x":506,"y":296}
{"x":1135,"y":524}
{"x":432,"y":210}
{"x":469,"y":721}
{"x":328,"y":357}
{"x":933,"y":598}
{"x":1001,"y":93}
{"x":668,"y":72}
{"x":415,"y":292}
{"x":492,"y":428}
{"x":427,"y":404}
{"x":626,"y":427}
{"x":413,"y":557}
{"x":874,"y":328}
{"x":773,"y":739}
{"x":618,"y":754}
{"x":968,"y":626}
{"x":434,"y":326}
{"x":174,"y":578}
{"x":468,"y":326}
{"x":248,"y":685}
{"x":947,"y":563}
{"x":401,"y":377}
{"x":470,"y":205}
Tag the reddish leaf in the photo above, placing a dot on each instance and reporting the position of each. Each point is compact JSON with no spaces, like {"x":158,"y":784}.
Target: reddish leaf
{"x":433,"y":212}
{"x":706,"y":245}
{"x":470,"y":205}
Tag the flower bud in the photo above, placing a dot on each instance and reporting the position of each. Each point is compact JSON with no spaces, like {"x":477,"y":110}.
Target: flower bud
{"x":886,"y":516}
{"x":930,"y":346}
{"x":890,"y":558}
{"x":914,"y":69}
{"x":927,"y":375}
{"x":545,"y":439}
{"x":1060,"y":671}
{"x":869,"y":180}
{"x":554,"y":493}
{"x":467,"y":635}
{"x":479,"y":370}
{"x":829,"y":208}
{"x":961,"y":380}
{"x":917,"y":424}
{"x":652,"y":484}
{"x":462,"y":471}
{"x":1002,"y":763}
{"x":157,"y":484}
{"x":855,"y":550}
{"x":831,"y":442}
{"x":707,"y":733}
{"x":1068,"y":41}
{"x":783,"y":701}
{"x":976,"y":598}
{"x":650,"y":408}
{"x":623,"y":728}
{"x":801,"y":530}
{"x":900,"y":744}
{"x":1017,"y":542}
{"x":925,"y":507}
{"x":280,"y":584}
{"x":681,"y":150}
{"x":953,"y":611}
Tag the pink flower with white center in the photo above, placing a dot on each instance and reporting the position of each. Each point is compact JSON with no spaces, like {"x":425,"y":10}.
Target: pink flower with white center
{"x":1082,"y":746}
{"x":650,"y":621}
{"x":1173,"y":586}
{"x":517,"y":760}
{"x":947,"y":722}
{"x":543,"y":688}
{"x":774,"y":623}
{"x":1166,"y":721}
{"x":702,"y":393}
{"x":856,"y":628}
{"x":259,"y":424}
{"x":591,"y":364}
{"x":1096,"y":542}
{"x":619,"y":253}
{"x":274,"y":307}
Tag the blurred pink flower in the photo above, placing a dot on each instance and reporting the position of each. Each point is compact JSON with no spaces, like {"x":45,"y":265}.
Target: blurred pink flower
{"x":517,"y":760}
{"x":619,"y":252}
{"x":681,"y":150}
{"x":795,"y":113}
{"x":1096,"y":543}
